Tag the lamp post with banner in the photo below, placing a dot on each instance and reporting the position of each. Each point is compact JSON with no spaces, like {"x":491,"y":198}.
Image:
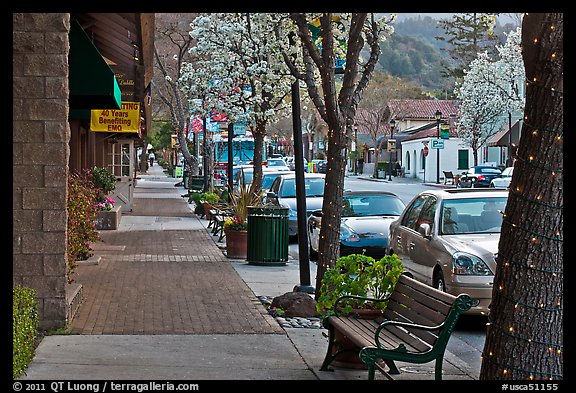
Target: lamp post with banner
{"x":438,"y":116}
{"x":391,"y":147}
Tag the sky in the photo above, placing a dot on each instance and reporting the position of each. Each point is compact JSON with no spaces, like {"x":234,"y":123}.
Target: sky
{"x":503,"y":19}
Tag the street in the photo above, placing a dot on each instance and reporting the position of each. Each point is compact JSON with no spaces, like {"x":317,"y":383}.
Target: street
{"x":470,"y":333}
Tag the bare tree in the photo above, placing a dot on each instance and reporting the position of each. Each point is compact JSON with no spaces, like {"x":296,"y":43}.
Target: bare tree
{"x":171,"y":46}
{"x":336,"y":108}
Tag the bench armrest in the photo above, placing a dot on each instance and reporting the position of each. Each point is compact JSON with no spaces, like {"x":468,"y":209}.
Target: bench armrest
{"x":365,"y":298}
{"x":403,"y":324}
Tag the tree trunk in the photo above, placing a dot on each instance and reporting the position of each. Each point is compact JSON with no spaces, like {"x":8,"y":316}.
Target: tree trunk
{"x":329,"y":245}
{"x":259,"y":133}
{"x":525,"y":337}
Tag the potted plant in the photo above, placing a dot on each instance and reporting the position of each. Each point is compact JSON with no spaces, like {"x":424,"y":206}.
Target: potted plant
{"x":236,"y":228}
{"x":209,"y":200}
{"x":358,"y":276}
{"x":108,"y":216}
{"x":358,"y":285}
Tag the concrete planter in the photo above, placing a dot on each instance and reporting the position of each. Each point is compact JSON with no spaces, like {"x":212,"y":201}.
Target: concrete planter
{"x":107,"y":220}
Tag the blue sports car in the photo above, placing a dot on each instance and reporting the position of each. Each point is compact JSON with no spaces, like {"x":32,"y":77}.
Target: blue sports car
{"x":365,"y":223}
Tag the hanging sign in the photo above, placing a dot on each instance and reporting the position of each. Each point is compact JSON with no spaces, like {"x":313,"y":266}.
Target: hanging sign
{"x":126,"y":119}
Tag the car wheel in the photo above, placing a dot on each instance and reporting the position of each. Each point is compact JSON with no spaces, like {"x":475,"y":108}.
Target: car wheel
{"x":438,"y":281}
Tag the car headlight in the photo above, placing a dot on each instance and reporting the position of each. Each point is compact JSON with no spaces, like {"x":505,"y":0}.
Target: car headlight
{"x":348,"y":235}
{"x":464,"y":263}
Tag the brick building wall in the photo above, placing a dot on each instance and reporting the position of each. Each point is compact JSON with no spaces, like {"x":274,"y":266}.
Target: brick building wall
{"x":40,"y":159}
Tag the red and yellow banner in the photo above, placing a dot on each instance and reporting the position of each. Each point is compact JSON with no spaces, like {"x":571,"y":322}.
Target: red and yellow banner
{"x":126,"y":119}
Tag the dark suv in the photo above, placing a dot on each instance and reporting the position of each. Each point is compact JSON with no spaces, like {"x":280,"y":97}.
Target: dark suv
{"x":481,"y":175}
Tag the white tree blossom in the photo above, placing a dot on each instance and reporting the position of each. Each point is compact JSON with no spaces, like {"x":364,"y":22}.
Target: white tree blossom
{"x":489,"y":91}
{"x":240,"y":71}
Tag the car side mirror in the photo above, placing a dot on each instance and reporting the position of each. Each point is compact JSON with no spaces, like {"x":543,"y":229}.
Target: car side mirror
{"x":425,"y":230}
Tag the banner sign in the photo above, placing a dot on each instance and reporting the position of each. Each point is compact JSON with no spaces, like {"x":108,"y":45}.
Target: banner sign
{"x":126,"y":119}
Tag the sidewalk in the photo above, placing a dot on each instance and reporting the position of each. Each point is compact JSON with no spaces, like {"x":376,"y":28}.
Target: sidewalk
{"x":164,"y":303}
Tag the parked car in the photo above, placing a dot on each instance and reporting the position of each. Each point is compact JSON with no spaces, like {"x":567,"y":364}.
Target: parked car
{"x":449,"y":239}
{"x":283,"y":193}
{"x":503,"y":181}
{"x":290,"y":161}
{"x":245,"y":176}
{"x":365,"y":222}
{"x":278,"y":164}
{"x":320,"y":165}
{"x":481,"y":175}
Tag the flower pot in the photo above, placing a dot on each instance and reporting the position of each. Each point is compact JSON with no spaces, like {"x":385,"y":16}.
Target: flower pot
{"x":236,"y":243}
{"x":108,"y":219}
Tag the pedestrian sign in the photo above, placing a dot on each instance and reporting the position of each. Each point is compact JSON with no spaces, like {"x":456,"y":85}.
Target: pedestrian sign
{"x":437,"y":144}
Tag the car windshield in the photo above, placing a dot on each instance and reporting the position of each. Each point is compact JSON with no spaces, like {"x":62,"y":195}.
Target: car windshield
{"x":268,"y":179}
{"x":472,"y":215}
{"x":488,"y":171}
{"x":314,"y":187}
{"x":371,"y":205}
{"x":276,"y":163}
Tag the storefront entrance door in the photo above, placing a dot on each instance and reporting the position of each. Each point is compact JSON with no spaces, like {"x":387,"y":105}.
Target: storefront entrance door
{"x":122,"y":166}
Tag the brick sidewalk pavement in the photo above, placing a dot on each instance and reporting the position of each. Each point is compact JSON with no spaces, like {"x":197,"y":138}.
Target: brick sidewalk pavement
{"x":165,"y":282}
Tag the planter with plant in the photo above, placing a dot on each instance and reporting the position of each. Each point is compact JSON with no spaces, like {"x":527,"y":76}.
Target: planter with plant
{"x":357,"y":285}
{"x":210,"y":200}
{"x":108,"y":216}
{"x":82,"y":211}
{"x":236,"y":228}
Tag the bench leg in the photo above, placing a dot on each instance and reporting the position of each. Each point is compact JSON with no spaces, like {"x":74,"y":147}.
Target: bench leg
{"x":328,"y":359}
{"x":438,"y":369}
{"x":392,"y":366}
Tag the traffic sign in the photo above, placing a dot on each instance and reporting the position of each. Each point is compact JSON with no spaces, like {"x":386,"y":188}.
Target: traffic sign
{"x":239,"y":128}
{"x":437,"y":143}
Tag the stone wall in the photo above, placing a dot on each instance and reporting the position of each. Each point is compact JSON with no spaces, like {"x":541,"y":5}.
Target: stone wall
{"x":40,"y":159}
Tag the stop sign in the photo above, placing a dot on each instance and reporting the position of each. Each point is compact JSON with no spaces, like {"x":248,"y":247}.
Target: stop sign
{"x":425,"y":151}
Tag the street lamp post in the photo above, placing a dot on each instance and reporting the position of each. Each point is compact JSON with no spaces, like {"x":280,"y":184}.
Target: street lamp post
{"x":356,"y":150}
{"x":438,"y":116}
{"x":392,"y":124}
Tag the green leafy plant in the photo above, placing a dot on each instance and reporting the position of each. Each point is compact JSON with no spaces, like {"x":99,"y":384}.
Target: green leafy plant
{"x":82,"y":210}
{"x":103,"y":179}
{"x":210,"y":197}
{"x":245,"y":195}
{"x":24,"y":328}
{"x":104,"y":182}
{"x":358,"y":275}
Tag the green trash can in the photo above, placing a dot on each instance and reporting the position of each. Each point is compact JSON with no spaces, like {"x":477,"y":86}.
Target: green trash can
{"x":267,"y":235}
{"x":185,"y":176}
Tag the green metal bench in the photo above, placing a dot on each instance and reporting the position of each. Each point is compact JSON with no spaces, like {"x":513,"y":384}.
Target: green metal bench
{"x":414,"y":328}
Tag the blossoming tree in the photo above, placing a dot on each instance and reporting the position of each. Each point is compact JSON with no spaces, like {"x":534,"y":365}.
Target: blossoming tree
{"x":489,"y":91}
{"x":248,"y":80}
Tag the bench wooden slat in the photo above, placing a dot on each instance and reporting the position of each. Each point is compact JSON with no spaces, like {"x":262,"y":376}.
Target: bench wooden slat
{"x":426,"y":289}
{"x":415,"y":312}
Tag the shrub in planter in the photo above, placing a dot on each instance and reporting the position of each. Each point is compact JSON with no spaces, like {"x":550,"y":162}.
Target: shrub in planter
{"x":82,"y":211}
{"x":104,"y":182}
{"x":24,"y":328}
{"x":358,"y":275}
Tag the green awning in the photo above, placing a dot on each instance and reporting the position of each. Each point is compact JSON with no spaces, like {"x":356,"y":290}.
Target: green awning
{"x":92,"y":83}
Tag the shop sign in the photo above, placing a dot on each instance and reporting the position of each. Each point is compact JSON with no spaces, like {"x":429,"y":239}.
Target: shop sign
{"x":126,"y":119}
